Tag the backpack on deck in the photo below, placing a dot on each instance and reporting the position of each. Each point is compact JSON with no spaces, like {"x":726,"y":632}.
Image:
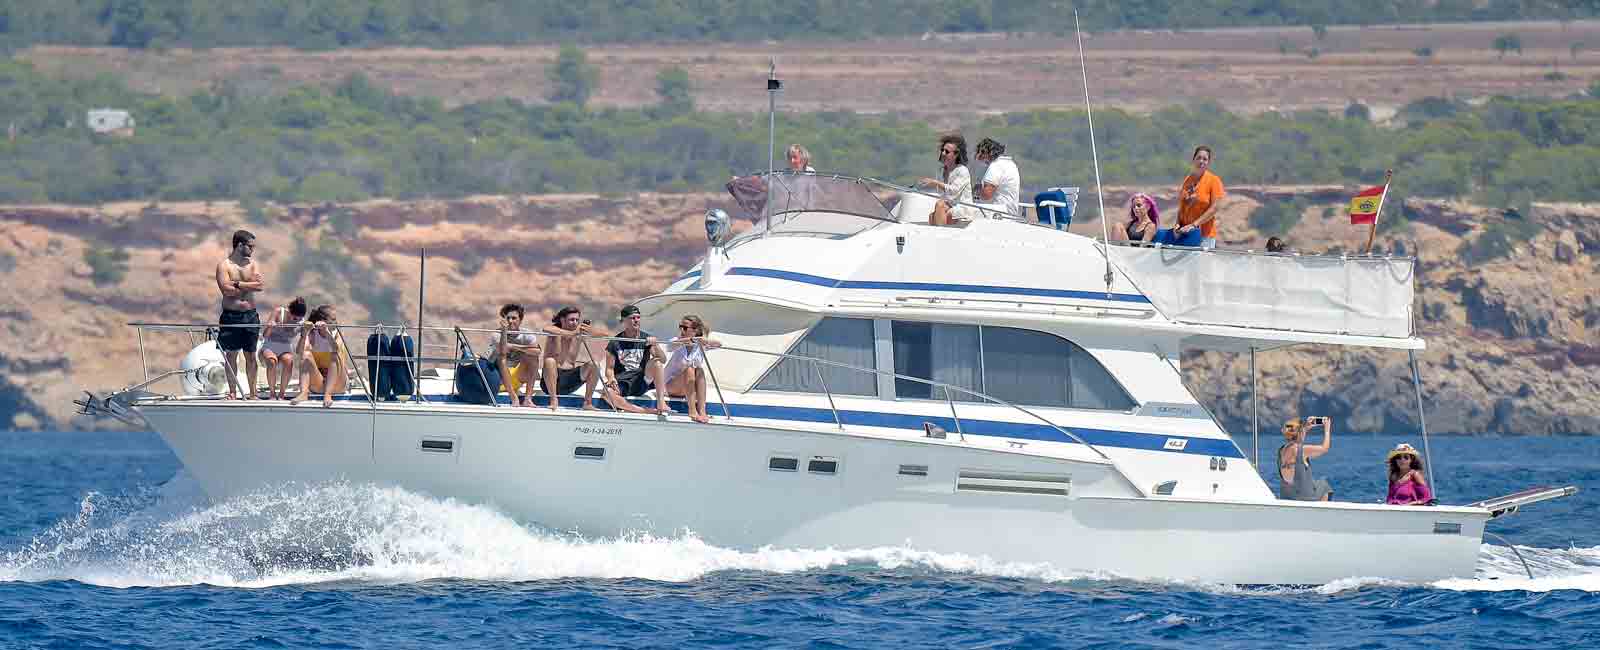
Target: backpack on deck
{"x":477,"y":379}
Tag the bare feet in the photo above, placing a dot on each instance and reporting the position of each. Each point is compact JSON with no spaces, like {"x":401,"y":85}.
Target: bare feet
{"x":700,"y":418}
{"x":297,"y":399}
{"x":229,"y":396}
{"x":589,"y":406}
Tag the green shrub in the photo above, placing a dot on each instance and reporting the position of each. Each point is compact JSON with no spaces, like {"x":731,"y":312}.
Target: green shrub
{"x":1277,"y":217}
{"x":1498,"y":240}
{"x":108,"y":265}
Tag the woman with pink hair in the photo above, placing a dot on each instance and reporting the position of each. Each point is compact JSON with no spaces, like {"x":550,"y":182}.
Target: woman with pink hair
{"x":1143,"y":220}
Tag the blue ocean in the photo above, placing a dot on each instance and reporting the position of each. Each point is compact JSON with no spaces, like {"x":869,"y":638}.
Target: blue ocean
{"x":106,"y":543}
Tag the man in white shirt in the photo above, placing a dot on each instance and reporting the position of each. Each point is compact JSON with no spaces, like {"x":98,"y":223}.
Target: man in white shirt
{"x":1001,"y":189}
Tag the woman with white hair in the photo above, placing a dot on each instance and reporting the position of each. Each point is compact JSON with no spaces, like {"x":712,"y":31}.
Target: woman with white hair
{"x":800,"y":159}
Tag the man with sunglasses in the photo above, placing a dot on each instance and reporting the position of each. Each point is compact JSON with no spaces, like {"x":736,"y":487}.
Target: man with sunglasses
{"x":239,"y":280}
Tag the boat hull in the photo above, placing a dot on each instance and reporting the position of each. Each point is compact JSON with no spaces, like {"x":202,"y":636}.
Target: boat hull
{"x":720,"y":482}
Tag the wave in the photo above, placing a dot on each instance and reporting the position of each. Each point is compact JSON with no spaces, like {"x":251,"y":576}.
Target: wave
{"x":339,"y":532}
{"x":333,"y":532}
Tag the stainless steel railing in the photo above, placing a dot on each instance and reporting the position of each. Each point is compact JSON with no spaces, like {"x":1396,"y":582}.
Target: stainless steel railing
{"x":948,"y":390}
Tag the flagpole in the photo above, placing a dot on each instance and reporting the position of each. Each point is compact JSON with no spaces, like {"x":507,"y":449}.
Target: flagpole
{"x":1388,"y":175}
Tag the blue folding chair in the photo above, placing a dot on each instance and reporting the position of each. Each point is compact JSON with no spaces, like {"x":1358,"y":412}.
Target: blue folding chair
{"x":1056,"y":205}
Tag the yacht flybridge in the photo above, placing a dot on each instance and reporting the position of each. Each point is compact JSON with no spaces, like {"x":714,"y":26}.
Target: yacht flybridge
{"x":1004,"y":389}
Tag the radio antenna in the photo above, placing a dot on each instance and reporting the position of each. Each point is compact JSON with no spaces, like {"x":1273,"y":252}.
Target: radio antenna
{"x":1099,"y":194}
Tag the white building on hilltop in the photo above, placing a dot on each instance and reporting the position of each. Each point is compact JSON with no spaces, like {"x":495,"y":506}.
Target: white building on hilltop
{"x":110,"y":120}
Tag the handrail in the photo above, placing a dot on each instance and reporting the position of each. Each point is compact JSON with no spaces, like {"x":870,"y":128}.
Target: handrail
{"x":867,"y":180}
{"x":948,"y":388}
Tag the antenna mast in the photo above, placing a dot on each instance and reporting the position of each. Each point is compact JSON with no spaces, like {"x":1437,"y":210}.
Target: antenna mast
{"x":1099,"y":194}
{"x":774,"y":86}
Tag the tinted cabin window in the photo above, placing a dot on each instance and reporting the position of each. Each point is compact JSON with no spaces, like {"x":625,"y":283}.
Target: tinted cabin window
{"x":1028,"y":367}
{"x":939,"y":352}
{"x":843,"y":340}
{"x":1015,"y":365}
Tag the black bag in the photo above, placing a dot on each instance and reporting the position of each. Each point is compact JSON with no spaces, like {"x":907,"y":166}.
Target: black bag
{"x":378,"y":371}
{"x":471,"y":375}
{"x":400,"y":374}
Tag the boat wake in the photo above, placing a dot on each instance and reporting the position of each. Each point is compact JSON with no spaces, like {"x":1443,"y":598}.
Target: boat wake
{"x":342,"y":532}
{"x":334,"y":532}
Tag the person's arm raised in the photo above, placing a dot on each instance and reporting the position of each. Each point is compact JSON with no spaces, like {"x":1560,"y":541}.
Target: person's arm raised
{"x":1327,"y":436}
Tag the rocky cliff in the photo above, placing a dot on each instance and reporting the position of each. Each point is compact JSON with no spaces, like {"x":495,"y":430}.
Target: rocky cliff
{"x":1512,"y":344}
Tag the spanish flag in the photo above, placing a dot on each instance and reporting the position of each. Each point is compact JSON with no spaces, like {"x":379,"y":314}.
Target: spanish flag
{"x":1364,"y":207}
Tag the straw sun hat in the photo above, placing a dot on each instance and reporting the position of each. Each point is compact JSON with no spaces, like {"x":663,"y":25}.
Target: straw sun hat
{"x":1402,"y":449}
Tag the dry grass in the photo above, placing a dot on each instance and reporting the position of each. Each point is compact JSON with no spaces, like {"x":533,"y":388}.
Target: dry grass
{"x":1245,"y":69}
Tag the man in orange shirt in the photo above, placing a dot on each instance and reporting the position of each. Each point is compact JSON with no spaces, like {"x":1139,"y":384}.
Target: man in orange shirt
{"x":1198,"y":197}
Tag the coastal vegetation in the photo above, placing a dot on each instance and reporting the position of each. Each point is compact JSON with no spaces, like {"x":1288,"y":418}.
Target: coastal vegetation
{"x":324,"y":24}
{"x":356,"y":140}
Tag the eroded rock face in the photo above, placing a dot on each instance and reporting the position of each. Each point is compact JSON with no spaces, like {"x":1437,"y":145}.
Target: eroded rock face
{"x":1512,"y":342}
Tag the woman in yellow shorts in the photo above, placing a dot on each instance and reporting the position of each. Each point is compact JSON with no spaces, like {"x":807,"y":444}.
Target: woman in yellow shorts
{"x":321,"y":353}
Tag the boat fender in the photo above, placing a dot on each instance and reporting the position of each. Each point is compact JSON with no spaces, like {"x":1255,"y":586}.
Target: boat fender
{"x":377,"y":346}
{"x":204,"y":373}
{"x":401,"y":373}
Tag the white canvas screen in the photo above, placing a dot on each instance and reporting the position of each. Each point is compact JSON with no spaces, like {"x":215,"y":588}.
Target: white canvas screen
{"x":1359,"y":296}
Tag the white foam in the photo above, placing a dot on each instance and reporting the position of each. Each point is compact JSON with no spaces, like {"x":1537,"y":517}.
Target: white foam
{"x":342,"y":532}
{"x":334,"y":532}
{"x":1553,"y":570}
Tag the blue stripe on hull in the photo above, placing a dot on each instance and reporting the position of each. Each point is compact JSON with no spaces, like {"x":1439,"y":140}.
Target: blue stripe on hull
{"x":993,"y":428}
{"x":831,"y":283}
{"x":936,"y":286}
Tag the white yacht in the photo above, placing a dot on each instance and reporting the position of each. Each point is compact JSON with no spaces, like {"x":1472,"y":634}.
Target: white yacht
{"x":1004,"y":389}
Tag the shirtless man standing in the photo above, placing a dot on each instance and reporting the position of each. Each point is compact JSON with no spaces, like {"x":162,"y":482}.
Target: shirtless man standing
{"x":563,"y":369}
{"x":239,"y":281}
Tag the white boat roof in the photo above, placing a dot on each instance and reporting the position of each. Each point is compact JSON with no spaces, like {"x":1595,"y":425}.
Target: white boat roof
{"x":848,"y":245}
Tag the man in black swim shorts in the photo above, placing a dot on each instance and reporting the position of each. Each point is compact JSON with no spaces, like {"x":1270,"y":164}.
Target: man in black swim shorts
{"x":239,"y":281}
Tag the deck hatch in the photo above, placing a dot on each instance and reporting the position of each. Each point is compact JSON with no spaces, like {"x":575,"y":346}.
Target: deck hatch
{"x":969,"y":480}
{"x":783,"y":464}
{"x":583,"y":452}
{"x":913,"y":470}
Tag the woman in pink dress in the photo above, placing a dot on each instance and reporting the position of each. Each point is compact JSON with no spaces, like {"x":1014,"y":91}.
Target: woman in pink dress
{"x":1408,"y":486}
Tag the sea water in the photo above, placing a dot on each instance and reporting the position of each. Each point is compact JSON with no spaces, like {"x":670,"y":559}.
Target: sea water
{"x":106,"y":543}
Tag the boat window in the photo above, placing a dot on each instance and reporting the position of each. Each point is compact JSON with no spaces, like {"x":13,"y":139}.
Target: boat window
{"x":1025,"y":367}
{"x":939,"y":352}
{"x":1035,"y":368}
{"x":841,"y":340}
{"x":1016,"y":365}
